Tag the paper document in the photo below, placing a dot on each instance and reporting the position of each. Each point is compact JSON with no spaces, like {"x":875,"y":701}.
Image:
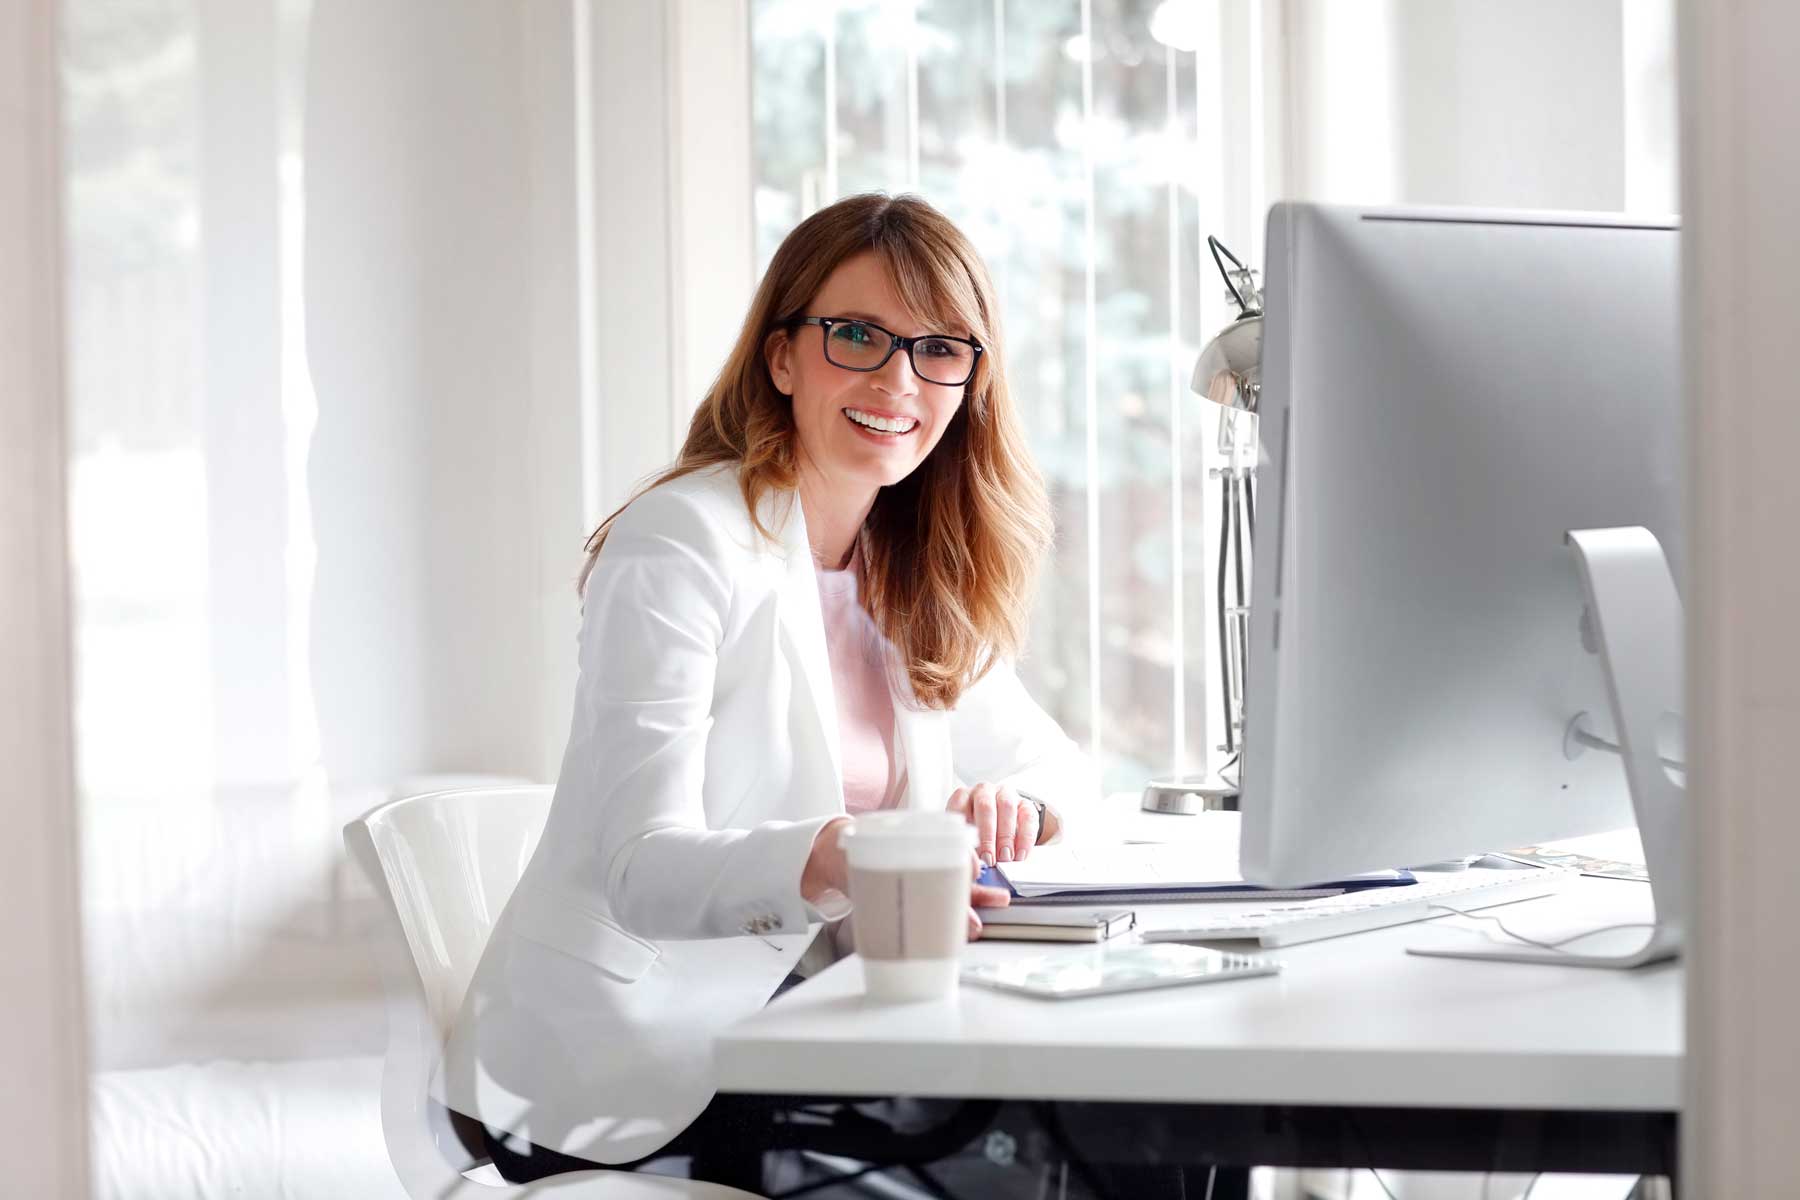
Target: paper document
{"x":1209,"y":864}
{"x":1066,"y":868}
{"x":1136,"y":825}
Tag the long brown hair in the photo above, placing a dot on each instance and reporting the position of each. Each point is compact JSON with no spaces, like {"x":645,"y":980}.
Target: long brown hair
{"x":950,"y":553}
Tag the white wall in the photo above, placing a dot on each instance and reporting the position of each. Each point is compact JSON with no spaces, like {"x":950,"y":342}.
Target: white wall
{"x":1515,"y":105}
{"x":669,"y":240}
{"x":1652,"y":106}
{"x":1525,"y":104}
{"x":444,"y":473}
{"x":515,"y":217}
{"x":240,"y":389}
{"x":43,"y":1087}
{"x":709,"y":100}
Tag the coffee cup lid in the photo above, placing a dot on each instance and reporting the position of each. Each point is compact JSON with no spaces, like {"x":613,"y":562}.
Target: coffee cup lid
{"x":941,"y":835}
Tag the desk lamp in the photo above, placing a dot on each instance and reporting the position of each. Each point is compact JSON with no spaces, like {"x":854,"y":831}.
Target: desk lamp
{"x":1228,"y":373}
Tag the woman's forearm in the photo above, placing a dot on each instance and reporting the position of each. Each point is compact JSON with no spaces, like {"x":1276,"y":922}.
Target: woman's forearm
{"x":684,"y":882}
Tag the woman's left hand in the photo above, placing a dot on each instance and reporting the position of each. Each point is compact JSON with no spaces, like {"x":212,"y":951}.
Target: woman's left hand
{"x":1006,"y":824}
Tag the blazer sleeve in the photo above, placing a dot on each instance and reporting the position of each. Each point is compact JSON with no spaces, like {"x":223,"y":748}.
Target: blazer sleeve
{"x":999,"y":734}
{"x":652,"y":625}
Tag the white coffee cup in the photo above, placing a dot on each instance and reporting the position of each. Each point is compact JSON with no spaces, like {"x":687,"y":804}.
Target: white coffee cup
{"x":909,"y":890}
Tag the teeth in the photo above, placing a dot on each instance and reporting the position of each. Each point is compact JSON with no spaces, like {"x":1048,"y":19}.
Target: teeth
{"x":881,"y":424}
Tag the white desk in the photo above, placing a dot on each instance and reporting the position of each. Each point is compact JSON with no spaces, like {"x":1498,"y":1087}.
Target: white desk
{"x":1350,"y":1021}
{"x":1352,"y":1024}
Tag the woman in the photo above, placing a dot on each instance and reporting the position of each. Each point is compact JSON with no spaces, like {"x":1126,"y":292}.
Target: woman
{"x":809,"y":614}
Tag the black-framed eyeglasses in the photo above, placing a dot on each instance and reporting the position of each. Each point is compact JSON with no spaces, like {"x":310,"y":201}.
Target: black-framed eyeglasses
{"x":857,"y":345}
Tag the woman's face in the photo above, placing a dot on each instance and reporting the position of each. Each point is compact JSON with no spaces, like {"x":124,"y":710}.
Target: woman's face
{"x":833,"y":406}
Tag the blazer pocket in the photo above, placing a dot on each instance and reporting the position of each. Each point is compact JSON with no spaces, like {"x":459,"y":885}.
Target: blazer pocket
{"x":549,"y":920}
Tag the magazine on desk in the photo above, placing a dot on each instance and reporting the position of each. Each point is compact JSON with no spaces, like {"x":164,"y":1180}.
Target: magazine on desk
{"x":1601,"y":868}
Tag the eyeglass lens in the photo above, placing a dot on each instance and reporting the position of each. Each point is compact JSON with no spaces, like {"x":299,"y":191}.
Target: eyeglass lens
{"x":863,"y":347}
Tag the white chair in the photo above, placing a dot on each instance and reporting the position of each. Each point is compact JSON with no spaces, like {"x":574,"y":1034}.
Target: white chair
{"x":445,"y":864}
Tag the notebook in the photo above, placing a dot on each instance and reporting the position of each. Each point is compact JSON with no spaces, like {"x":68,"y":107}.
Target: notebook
{"x":1058,"y":924}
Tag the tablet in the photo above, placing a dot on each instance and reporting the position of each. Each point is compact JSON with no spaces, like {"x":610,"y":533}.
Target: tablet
{"x":1106,"y":969}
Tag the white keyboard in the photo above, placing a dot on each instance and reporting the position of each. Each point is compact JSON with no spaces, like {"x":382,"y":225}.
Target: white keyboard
{"x":1309,"y":920}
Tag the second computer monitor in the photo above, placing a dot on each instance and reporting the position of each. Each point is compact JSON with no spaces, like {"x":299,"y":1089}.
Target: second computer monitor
{"x":1446,"y":394}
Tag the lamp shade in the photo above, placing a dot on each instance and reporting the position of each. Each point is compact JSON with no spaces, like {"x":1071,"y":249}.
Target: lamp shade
{"x":1229,"y":371}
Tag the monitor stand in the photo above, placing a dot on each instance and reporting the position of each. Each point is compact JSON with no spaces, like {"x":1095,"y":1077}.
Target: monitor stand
{"x":1637,"y":623}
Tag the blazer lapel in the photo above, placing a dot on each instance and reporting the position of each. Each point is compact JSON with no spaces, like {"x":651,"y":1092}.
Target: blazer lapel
{"x":803,"y":629}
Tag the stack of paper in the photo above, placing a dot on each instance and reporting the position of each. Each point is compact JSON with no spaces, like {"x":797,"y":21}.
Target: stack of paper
{"x":1207,"y":867}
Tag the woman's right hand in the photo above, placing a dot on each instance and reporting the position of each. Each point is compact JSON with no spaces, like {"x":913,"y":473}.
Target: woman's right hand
{"x":982,"y":896}
{"x":827,"y":871}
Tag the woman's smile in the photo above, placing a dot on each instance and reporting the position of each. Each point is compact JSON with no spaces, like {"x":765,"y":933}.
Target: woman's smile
{"x":881,"y":426}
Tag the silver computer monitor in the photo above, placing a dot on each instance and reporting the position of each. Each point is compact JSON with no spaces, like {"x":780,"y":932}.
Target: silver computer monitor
{"x":1446,"y":393}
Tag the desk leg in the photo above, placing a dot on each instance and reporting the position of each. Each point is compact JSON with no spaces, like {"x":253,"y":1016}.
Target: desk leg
{"x":1228,"y":1183}
{"x":1113,"y":1181}
{"x":1134,"y":1161}
{"x":730,"y":1166}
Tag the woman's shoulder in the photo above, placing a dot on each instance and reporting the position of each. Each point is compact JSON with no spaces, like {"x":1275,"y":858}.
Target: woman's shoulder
{"x":702,"y":509}
{"x":706,"y":487}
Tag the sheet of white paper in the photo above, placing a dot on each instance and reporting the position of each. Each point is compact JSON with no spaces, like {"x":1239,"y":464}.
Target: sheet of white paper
{"x":1108,"y":866}
{"x":1126,"y":822}
{"x":1063,"y":868}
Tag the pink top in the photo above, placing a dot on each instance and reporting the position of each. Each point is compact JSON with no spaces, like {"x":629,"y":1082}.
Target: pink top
{"x":865,"y":707}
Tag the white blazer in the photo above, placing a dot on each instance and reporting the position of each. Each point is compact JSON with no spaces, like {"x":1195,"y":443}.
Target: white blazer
{"x":663,"y":903}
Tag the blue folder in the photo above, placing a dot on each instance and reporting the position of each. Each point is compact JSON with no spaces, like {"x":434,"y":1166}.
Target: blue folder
{"x":1151,"y":893}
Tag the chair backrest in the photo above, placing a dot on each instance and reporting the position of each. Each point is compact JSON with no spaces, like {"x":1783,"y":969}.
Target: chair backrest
{"x":448,"y":862}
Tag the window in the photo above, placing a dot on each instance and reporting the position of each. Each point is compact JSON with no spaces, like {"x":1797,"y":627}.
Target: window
{"x":1080,"y":145}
